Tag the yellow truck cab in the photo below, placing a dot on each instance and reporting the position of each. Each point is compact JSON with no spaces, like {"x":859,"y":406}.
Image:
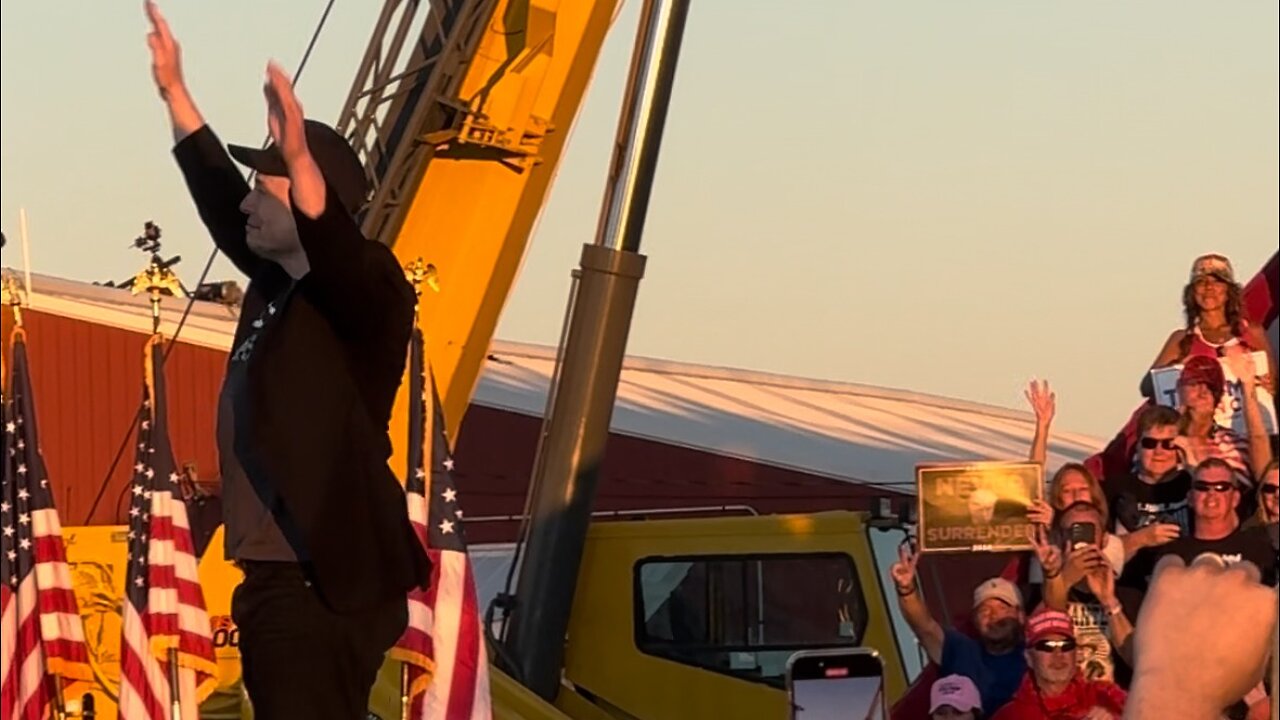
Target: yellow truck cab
{"x":696,"y":618}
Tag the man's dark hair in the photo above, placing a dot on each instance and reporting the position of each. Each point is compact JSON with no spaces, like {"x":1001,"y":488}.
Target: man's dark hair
{"x":1214,"y":462}
{"x":1080,"y":505}
{"x":1156,"y":416}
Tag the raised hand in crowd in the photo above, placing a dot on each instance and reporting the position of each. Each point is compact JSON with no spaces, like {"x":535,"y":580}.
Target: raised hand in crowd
{"x":1202,"y":641}
{"x":903,"y":572}
{"x":1049,"y":555}
{"x":166,"y":70}
{"x":1044,"y":403}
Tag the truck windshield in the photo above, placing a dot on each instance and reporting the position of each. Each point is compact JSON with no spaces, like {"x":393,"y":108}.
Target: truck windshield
{"x":746,"y":615}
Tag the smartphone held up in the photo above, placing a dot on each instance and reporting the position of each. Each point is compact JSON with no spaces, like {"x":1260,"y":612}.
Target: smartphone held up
{"x":839,"y":684}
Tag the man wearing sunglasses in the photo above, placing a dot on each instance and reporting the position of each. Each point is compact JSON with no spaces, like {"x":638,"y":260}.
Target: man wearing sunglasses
{"x":1150,"y":505}
{"x":1054,"y":688}
{"x":1215,"y":496}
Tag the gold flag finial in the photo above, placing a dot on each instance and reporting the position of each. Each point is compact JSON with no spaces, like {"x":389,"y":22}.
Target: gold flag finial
{"x":419,"y":273}
{"x":156,"y":280}
{"x":13,"y":297}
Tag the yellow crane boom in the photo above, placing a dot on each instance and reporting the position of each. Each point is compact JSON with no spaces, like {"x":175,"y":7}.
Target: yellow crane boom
{"x":463,"y":146}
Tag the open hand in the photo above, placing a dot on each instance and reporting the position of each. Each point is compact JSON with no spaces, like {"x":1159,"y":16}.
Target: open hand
{"x":166,"y":55}
{"x":284,"y":116}
{"x":1043,"y":401}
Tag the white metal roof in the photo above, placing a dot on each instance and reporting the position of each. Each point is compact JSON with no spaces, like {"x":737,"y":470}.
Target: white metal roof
{"x":846,"y":431}
{"x":841,"y":430}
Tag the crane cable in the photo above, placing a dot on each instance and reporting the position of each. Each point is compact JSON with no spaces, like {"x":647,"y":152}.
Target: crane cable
{"x":124,"y":442}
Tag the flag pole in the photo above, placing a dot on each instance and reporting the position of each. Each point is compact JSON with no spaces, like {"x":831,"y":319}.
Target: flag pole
{"x":12,"y":296}
{"x":59,"y":704}
{"x":175,"y":692}
{"x":404,"y":691}
{"x":419,"y":273}
{"x":26,"y":249}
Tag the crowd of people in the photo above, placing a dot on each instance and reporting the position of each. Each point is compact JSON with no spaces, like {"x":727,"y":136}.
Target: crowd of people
{"x":1062,"y":637}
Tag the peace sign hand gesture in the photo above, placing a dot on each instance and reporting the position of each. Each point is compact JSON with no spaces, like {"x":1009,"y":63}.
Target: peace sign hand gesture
{"x":1050,"y":555}
{"x":903,"y":572}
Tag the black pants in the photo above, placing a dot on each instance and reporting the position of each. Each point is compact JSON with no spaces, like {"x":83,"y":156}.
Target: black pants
{"x":300,"y":659}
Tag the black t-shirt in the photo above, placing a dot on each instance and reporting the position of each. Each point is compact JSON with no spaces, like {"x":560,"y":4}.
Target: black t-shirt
{"x":1136,"y":504}
{"x":1252,"y":544}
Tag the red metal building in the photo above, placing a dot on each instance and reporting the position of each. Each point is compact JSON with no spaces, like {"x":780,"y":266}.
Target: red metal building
{"x":683,"y":436}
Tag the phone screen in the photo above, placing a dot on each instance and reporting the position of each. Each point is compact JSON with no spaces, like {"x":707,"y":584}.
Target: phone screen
{"x":847,"y":686}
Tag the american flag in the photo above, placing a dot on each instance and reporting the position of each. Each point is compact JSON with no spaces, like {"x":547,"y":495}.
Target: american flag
{"x":164,"y":606}
{"x":41,"y":634}
{"x":443,"y":648}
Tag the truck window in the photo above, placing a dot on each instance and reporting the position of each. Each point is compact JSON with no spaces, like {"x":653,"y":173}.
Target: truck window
{"x":746,"y":615}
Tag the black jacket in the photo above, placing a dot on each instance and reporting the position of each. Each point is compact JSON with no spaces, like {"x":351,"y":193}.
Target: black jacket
{"x":320,"y":386}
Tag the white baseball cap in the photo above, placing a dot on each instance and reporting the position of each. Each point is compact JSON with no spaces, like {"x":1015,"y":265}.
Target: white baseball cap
{"x":1000,"y":589}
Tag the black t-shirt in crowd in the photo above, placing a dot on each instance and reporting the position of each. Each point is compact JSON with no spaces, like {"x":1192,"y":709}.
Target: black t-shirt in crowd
{"x":1136,"y":504}
{"x":1252,"y":544}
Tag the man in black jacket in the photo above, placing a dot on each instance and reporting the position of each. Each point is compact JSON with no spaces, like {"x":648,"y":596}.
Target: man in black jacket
{"x":314,"y":516}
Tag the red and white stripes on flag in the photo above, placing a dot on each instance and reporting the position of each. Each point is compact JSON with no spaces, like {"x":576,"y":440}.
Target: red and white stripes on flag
{"x":443,"y":648}
{"x":41,"y":634}
{"x":164,"y":605}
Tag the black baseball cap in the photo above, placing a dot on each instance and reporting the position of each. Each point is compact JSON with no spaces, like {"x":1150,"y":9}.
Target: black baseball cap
{"x":339,"y":164}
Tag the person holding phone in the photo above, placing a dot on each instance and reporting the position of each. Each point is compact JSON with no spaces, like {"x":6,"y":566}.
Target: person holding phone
{"x":1085,"y":588}
{"x":1070,"y":483}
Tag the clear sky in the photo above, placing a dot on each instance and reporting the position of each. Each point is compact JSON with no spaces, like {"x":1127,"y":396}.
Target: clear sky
{"x":950,"y":197}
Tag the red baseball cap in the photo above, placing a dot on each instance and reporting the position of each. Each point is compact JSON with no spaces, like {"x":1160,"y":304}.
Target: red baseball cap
{"x":1045,"y":623}
{"x":1206,"y":370}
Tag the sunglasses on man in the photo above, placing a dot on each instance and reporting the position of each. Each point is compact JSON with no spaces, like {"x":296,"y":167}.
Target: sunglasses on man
{"x":1271,"y":489}
{"x":1150,"y":443}
{"x":1218,"y":487}
{"x":1048,"y":646}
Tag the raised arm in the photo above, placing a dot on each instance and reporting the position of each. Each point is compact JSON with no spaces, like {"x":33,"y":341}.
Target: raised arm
{"x":914,"y":611}
{"x":1044,"y":403}
{"x":216,"y":185}
{"x":1245,"y":371}
{"x":1258,"y":339}
{"x":347,"y":275}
